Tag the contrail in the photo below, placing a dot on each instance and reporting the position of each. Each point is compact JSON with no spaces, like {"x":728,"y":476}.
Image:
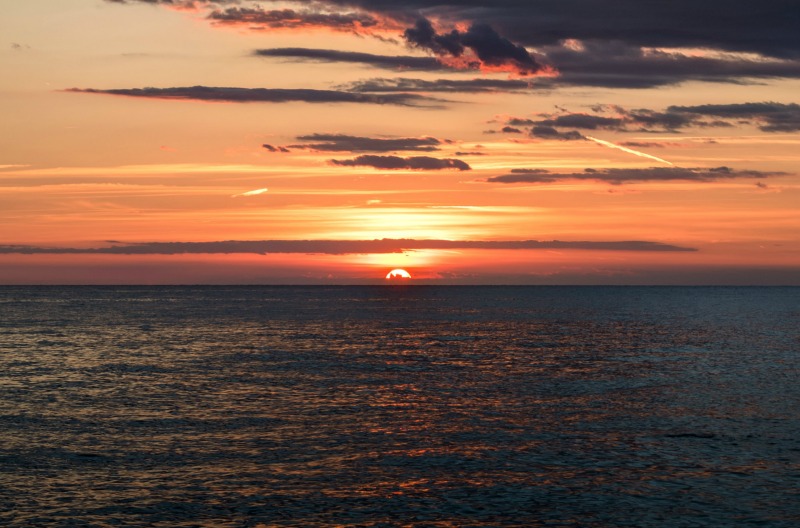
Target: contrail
{"x":630,"y":151}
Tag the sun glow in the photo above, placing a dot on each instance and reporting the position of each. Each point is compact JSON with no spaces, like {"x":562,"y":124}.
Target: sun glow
{"x":398,"y":273}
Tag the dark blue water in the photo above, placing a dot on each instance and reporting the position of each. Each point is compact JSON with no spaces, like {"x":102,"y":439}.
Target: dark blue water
{"x":399,"y":406}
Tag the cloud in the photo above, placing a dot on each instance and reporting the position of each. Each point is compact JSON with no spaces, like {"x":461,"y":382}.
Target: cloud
{"x":345,"y":143}
{"x":338,"y":247}
{"x":616,"y":176}
{"x":273,"y":148}
{"x":489,"y":48}
{"x":646,"y":120}
{"x":610,"y":66}
{"x":256,"y":18}
{"x":623,"y":120}
{"x":404,"y":84}
{"x":621,"y":65}
{"x":647,"y":144}
{"x":768,"y":27}
{"x":583,"y":121}
{"x":261,"y":95}
{"x":770,"y":116}
{"x":634,"y":45}
{"x":388,"y":62}
{"x":251,"y":193}
{"x":396,"y":163}
{"x":548,"y":132}
{"x":189,"y":5}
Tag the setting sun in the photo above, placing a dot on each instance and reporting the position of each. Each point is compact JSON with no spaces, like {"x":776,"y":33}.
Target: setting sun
{"x":398,"y":274}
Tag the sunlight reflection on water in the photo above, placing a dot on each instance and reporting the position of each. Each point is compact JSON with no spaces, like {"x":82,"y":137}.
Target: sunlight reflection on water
{"x":423,"y":406}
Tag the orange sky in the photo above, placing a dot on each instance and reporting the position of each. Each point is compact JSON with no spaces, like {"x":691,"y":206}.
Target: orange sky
{"x":81,"y":167}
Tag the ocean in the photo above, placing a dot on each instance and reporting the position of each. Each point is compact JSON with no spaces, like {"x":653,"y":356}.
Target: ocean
{"x":399,"y":406}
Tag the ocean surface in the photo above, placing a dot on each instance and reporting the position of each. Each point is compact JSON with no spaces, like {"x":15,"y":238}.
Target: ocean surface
{"x":399,"y":406}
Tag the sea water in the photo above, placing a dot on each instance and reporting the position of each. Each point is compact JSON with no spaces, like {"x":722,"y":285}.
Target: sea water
{"x":399,"y":406}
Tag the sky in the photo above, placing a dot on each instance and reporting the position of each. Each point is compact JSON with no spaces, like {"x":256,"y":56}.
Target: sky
{"x":329,"y":142}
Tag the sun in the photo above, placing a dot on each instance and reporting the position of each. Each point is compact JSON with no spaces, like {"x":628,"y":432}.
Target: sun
{"x":398,"y":274}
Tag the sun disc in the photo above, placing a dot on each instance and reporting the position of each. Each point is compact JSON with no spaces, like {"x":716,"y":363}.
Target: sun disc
{"x":398,"y":274}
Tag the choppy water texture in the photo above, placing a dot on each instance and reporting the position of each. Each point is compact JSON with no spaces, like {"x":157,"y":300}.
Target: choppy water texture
{"x":399,"y":406}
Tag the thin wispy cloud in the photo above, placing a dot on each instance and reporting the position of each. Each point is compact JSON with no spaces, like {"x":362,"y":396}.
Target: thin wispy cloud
{"x":618,"y":176}
{"x":388,"y":62}
{"x":255,"y":192}
{"x":768,"y":116}
{"x":347,"y":143}
{"x":399,"y":163}
{"x":257,"y":18}
{"x":339,"y":247}
{"x":260,"y":95}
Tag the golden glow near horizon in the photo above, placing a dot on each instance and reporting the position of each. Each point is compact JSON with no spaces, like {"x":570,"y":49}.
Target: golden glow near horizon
{"x":398,"y":273}
{"x":98,"y":149}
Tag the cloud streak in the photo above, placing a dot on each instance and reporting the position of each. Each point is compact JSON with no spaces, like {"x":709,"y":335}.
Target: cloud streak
{"x":617,"y":176}
{"x":769,"y":116}
{"x":260,"y":95}
{"x":345,"y":143}
{"x":255,"y":192}
{"x":398,"y":163}
{"x":338,"y":247}
{"x":388,"y":62}
{"x":256,"y":18}
{"x":405,"y":84}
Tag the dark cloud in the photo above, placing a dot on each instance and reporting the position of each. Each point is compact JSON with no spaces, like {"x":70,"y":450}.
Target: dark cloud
{"x":262,"y":95}
{"x":585,"y":68}
{"x":273,"y":148}
{"x":423,"y":35}
{"x":621,"y":120}
{"x":770,"y":117}
{"x":510,"y":130}
{"x":647,"y":71}
{"x":583,"y":121}
{"x":494,"y":50}
{"x":620,"y":65}
{"x":548,"y":132}
{"x":404,"y":84}
{"x":389,"y":62}
{"x":344,"y":143}
{"x":615,"y":66}
{"x":628,"y":45}
{"x":396,"y":162}
{"x":768,"y":27}
{"x":637,"y":120}
{"x":619,"y":176}
{"x":258,"y":18}
{"x":471,"y":153}
{"x":644,"y":144}
{"x":338,"y":247}
{"x":650,"y":119}
{"x":486,"y":44}
{"x":188,"y":4}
